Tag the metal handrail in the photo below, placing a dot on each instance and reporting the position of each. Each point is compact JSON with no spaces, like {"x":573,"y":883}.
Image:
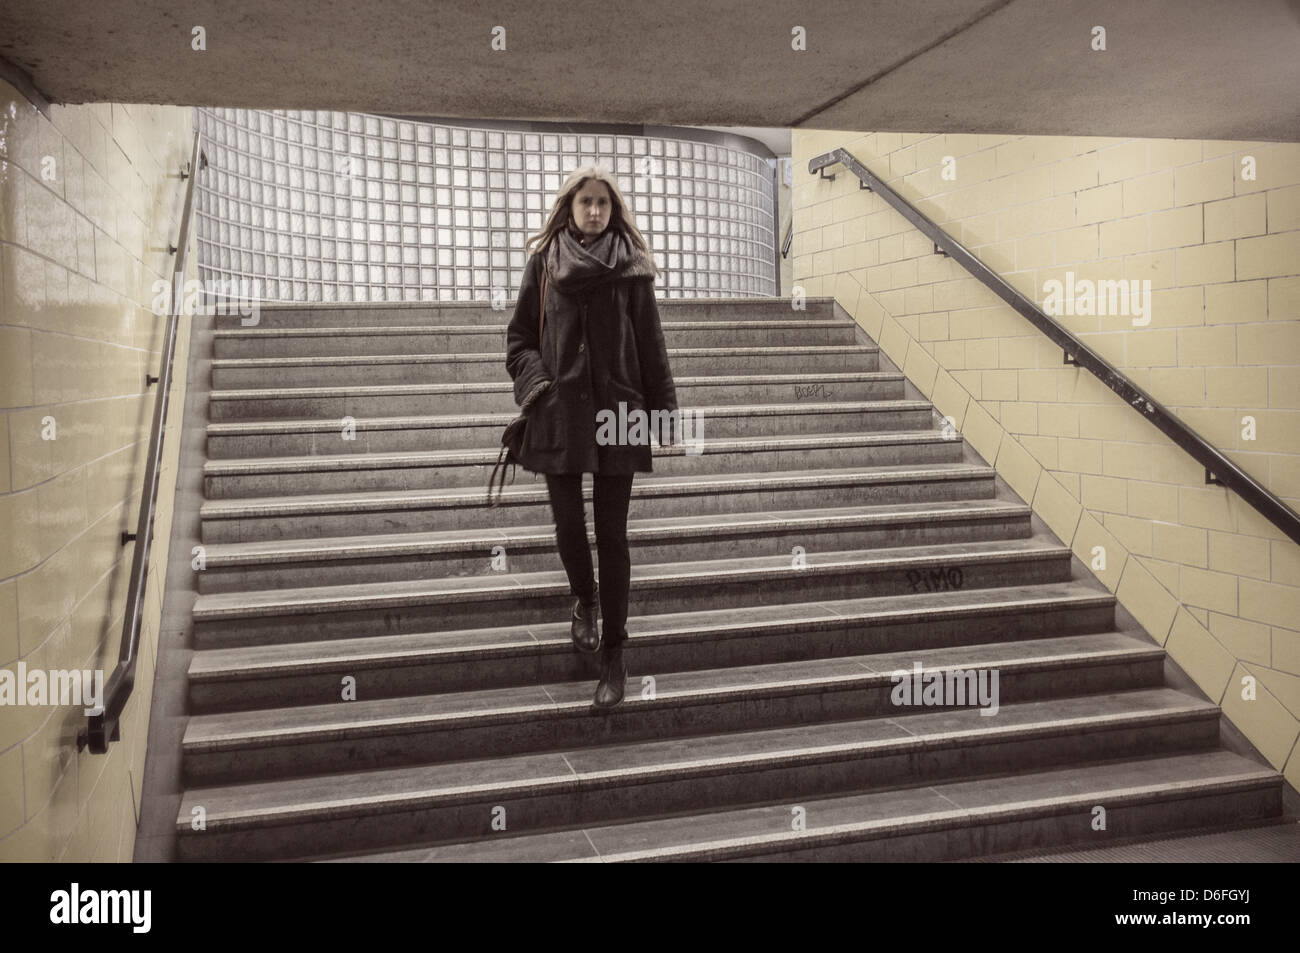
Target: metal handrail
{"x":789,"y":237}
{"x":1219,"y":470}
{"x":103,"y":727}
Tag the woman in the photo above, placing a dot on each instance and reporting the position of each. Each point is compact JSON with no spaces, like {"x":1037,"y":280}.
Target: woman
{"x":601,"y":347}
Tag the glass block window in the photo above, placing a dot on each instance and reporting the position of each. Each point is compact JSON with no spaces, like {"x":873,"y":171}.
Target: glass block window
{"x":329,"y":206}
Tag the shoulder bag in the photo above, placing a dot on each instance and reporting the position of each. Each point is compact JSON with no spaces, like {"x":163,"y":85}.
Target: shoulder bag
{"x":512,"y":440}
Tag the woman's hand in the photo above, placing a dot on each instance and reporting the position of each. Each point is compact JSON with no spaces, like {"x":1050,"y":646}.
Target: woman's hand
{"x":538,"y":389}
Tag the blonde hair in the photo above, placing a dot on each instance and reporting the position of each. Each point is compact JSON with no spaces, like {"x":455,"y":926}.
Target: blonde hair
{"x":561,"y":211}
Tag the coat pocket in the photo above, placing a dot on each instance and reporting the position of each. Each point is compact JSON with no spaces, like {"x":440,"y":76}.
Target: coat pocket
{"x":545,"y":429}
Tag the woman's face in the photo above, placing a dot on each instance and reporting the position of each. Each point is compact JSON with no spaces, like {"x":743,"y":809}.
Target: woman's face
{"x":591,"y":208}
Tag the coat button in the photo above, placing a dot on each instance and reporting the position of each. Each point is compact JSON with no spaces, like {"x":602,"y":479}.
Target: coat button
{"x":582,"y":347}
{"x":583,"y":396}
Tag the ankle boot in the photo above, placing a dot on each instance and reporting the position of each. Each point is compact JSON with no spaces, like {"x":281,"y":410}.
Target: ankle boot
{"x":583,"y":628}
{"x":613,"y":673}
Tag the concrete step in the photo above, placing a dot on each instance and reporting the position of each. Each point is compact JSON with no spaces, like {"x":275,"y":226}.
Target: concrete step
{"x":526,"y":501}
{"x":261,"y":372}
{"x":1274,"y":840}
{"x":259,"y":617}
{"x":388,"y":666}
{"x":283,"y":438}
{"x":409,"y":313}
{"x":827,"y":537}
{"x":438,"y":469}
{"x":400,"y":400}
{"x":455,"y":801}
{"x":324,"y":561}
{"x":469,"y":338}
{"x":942,"y":822}
{"x":230,"y":748}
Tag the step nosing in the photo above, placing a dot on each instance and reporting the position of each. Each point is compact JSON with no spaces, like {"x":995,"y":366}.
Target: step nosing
{"x":316,"y":463}
{"x":750,"y":844}
{"x":307,"y":307}
{"x":449,"y":421}
{"x":385,"y":390}
{"x":579,"y":781}
{"x":392,"y":330}
{"x":713,"y":484}
{"x":742,"y":350}
{"x":321,"y":658}
{"x":324,"y":549}
{"x":393,"y":724}
{"x":374,"y":595}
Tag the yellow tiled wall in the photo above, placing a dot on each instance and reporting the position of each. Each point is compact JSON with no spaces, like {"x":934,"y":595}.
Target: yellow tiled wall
{"x":1208,"y":577}
{"x":89,"y":200}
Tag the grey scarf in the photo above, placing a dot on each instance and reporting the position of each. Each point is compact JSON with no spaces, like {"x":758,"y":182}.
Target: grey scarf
{"x":574,"y":268}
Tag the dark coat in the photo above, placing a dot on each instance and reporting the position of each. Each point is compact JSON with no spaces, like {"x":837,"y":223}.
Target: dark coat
{"x":599,"y":347}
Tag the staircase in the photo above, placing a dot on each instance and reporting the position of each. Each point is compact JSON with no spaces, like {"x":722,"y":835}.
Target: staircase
{"x":830,"y":534}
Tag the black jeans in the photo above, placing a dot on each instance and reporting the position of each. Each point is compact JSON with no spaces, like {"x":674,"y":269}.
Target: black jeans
{"x":611,"y":494}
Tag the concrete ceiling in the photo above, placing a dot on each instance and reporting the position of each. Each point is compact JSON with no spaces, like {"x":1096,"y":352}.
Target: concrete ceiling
{"x":1172,"y":68}
{"x":776,"y":139}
